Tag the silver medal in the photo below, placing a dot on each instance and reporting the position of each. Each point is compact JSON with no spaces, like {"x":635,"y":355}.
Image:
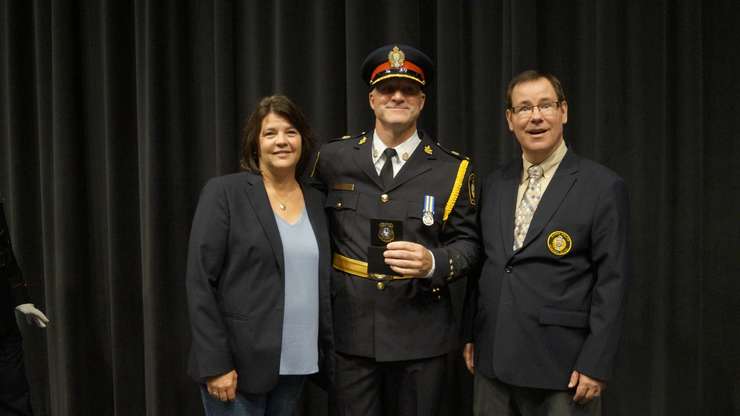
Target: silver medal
{"x":427,"y":218}
{"x":427,"y":213}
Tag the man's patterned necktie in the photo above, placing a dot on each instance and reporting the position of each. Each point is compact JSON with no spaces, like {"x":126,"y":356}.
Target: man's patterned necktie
{"x":526,"y":208}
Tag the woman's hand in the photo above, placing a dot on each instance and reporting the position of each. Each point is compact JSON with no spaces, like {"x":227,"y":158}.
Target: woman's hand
{"x":223,"y":387}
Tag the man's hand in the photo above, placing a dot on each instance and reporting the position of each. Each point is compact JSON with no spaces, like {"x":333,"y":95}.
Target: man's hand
{"x":408,"y":259}
{"x":33,"y":315}
{"x":469,"y":355}
{"x":586,"y":387}
{"x":223,"y":387}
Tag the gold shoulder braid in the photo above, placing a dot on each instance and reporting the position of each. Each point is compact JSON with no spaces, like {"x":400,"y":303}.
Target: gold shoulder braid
{"x":456,"y":188}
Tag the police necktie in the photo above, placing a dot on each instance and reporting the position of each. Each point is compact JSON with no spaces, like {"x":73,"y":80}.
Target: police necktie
{"x":526,"y":208}
{"x":386,"y":174}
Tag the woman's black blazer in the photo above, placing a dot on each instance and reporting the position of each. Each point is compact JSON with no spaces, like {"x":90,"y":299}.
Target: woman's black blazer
{"x":235,"y":283}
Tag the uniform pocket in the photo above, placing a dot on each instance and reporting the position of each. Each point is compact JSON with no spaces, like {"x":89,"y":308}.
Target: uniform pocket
{"x":341,"y":200}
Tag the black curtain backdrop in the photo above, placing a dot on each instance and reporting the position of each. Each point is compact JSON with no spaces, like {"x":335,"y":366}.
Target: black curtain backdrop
{"x":114,"y":113}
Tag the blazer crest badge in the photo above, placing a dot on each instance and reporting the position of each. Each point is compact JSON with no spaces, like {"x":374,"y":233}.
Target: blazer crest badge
{"x":559,"y":243}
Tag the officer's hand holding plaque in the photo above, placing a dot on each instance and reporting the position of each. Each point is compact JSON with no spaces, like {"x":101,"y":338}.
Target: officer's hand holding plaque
{"x":382,"y":232}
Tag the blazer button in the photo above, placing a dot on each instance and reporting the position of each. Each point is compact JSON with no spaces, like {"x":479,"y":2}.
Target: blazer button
{"x":384,"y":198}
{"x":380,"y":285}
{"x":507,"y":269}
{"x":339,"y":204}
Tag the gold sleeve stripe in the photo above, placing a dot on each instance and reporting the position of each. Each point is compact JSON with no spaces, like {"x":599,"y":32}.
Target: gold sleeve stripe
{"x":455,"y":189}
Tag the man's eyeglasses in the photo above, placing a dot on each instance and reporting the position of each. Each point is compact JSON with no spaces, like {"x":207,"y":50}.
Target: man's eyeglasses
{"x":546,"y":109}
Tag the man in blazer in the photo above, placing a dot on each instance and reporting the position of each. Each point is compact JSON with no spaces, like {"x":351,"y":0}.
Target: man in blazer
{"x":393,"y":328}
{"x":544,"y":319}
{"x":15,"y":398}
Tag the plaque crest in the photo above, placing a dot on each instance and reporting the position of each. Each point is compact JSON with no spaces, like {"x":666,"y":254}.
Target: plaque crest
{"x":386,"y":233}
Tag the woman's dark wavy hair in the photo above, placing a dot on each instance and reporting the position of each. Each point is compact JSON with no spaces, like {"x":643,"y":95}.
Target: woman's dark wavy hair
{"x":285,"y":108}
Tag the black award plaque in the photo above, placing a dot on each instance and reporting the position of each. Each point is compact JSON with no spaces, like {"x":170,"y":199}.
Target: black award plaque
{"x":382,"y":232}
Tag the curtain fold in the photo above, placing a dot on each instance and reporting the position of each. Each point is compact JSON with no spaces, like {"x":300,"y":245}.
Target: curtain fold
{"x":114,"y":114}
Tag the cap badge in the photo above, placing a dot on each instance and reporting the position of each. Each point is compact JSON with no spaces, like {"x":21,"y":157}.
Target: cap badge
{"x":559,"y":243}
{"x":396,"y":57}
{"x":428,"y":149}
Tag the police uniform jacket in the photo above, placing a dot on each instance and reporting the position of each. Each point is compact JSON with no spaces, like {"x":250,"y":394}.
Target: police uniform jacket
{"x":13,"y":290}
{"x":556,"y":304}
{"x":398,"y":319}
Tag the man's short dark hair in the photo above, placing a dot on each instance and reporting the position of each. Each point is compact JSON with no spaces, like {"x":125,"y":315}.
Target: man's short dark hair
{"x":533,"y":75}
{"x":285,"y":108}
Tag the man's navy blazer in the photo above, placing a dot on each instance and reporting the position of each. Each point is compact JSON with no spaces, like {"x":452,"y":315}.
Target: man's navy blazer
{"x":236,"y":283}
{"x":539,"y":313}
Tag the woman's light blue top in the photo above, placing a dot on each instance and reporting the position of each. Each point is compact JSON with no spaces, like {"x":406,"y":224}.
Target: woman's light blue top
{"x":299,"y":353}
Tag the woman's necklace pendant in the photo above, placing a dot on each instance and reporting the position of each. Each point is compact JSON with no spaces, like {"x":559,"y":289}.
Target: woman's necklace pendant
{"x":282,"y":206}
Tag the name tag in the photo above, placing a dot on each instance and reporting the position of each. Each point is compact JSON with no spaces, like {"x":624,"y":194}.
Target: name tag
{"x":344,"y":187}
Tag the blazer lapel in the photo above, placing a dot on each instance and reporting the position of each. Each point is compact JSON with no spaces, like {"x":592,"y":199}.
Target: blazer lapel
{"x":364,"y":160}
{"x":556,"y":191}
{"x":261,"y":205}
{"x":316,"y":215}
{"x":507,"y":205}
{"x":415,"y":166}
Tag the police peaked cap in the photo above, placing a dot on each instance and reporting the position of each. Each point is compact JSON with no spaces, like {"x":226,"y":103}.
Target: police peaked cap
{"x":397,"y":61}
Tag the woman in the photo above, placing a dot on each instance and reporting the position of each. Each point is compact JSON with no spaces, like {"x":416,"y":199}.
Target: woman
{"x":258,"y":272}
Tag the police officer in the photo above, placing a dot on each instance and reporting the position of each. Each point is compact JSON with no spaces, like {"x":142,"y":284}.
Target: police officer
{"x":14,"y":395}
{"x":398,"y":186}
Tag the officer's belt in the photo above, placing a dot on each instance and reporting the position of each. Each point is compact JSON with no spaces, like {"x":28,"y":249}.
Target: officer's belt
{"x":359,"y":268}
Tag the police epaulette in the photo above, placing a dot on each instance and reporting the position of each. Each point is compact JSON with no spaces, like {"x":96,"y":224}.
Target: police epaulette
{"x":348,"y":137}
{"x":452,"y":152}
